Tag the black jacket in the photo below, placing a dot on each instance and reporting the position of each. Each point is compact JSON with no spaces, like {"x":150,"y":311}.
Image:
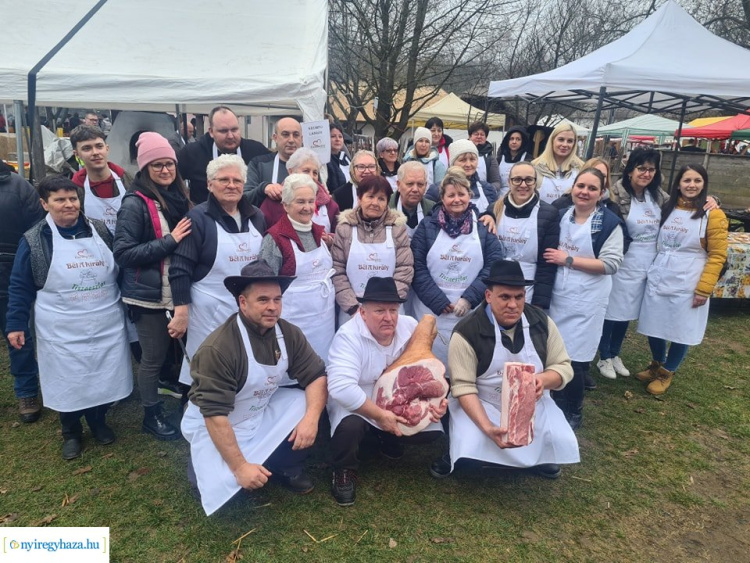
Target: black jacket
{"x":343,"y":197}
{"x":524,"y":153}
{"x":194,"y":157}
{"x":19,"y":211}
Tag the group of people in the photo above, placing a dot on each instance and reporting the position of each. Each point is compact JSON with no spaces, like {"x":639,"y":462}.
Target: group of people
{"x":294,"y":297}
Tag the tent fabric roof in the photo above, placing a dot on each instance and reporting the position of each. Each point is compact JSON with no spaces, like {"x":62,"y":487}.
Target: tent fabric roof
{"x":701,"y":121}
{"x":581,"y":131}
{"x":719,"y":130}
{"x":141,"y":54}
{"x":456,"y":114}
{"x":741,"y":134}
{"x":641,"y":125}
{"x":647,"y":71}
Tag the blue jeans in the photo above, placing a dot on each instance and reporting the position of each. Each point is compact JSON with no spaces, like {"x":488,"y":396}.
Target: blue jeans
{"x":671,"y":360}
{"x":613,"y":335}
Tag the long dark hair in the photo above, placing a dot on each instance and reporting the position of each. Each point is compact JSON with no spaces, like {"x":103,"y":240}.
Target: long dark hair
{"x":639,"y":157}
{"x":145,"y":184}
{"x":674,"y":194}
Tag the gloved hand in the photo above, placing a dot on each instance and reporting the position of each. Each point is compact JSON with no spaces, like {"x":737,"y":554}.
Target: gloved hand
{"x":461,"y":307}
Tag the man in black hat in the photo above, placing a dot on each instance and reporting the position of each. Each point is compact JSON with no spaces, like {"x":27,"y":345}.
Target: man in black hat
{"x":361,"y":350}
{"x":505,"y":329}
{"x":242,"y":427}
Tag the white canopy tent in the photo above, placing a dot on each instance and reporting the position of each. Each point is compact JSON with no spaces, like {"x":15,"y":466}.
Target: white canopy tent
{"x":642,"y":125}
{"x":259,"y":57}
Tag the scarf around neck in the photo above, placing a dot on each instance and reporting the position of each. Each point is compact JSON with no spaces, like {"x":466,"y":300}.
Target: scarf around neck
{"x":455,"y":226}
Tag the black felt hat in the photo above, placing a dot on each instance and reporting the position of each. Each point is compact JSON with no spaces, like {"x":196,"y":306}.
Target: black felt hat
{"x":381,"y":290}
{"x":506,"y":272}
{"x":255,"y":271}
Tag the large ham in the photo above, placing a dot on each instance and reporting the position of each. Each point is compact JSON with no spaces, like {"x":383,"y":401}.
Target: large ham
{"x":518,"y":403}
{"x":414,"y":381}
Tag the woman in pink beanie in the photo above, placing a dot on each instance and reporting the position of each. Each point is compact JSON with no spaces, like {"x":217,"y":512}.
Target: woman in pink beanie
{"x":150,"y":224}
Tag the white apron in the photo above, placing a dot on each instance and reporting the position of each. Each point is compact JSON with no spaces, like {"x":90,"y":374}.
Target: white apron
{"x":520,"y":242}
{"x":321,"y":218}
{"x":104,"y":208}
{"x":482,"y":168}
{"x":429,"y":168}
{"x":667,"y":311}
{"x":345,"y":167}
{"x":393,"y":181}
{"x":553,"y":188}
{"x":366,"y":261}
{"x":310,"y":301}
{"x":481,"y":202}
{"x":554,"y":440}
{"x":211,"y":304}
{"x":443,"y":157}
{"x":579,"y":300}
{"x":420,"y":216}
{"x":82,"y":346}
{"x":629,"y":283}
{"x":262,"y":418}
{"x":454,"y":264}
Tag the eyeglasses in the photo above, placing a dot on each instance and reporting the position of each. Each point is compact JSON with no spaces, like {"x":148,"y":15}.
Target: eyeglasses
{"x":225,"y":182}
{"x":391,"y":150}
{"x":363,"y":167}
{"x":645,"y":170}
{"x":517,"y":180}
{"x":159,"y":166}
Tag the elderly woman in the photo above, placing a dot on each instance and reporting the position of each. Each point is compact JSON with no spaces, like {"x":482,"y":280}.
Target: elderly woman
{"x":65,"y":271}
{"x":487,"y":168}
{"x":423,"y":152}
{"x":464,"y":154}
{"x":339,"y":167}
{"x":371,"y":240}
{"x":364,"y":164}
{"x":691,"y":250}
{"x":526,"y":227}
{"x":387,"y":150}
{"x":440,"y":141}
{"x":297,"y":246}
{"x":558,"y":164}
{"x":150,"y":224}
{"x":513,"y":149}
{"x":589,"y":253}
{"x":305,"y":161}
{"x":227,"y":232}
{"x":452,"y":253}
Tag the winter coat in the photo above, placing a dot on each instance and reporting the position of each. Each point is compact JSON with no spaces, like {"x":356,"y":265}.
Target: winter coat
{"x":486,"y":151}
{"x":19,"y":211}
{"x":621,"y":198}
{"x":430,"y":162}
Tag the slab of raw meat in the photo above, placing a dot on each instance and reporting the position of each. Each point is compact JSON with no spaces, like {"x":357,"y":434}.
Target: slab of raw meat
{"x":518,"y":403}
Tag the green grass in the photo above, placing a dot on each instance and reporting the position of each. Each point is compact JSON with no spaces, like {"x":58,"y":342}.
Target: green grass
{"x":657,"y":478}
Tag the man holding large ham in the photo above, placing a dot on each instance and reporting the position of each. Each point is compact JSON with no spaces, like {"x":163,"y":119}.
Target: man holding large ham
{"x":361,"y":350}
{"x":505,"y":329}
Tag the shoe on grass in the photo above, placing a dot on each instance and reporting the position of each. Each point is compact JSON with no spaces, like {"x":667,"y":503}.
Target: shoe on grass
{"x":299,"y":483}
{"x":606,"y":369}
{"x":344,"y":486}
{"x":649,"y":374}
{"x":71,"y":448}
{"x":546,"y":470}
{"x":103,"y":434}
{"x":170,"y":389}
{"x":441,"y":467}
{"x":588,"y":382}
{"x":620,"y":368}
{"x":391,"y":449}
{"x":662,"y":382}
{"x":29,"y":409}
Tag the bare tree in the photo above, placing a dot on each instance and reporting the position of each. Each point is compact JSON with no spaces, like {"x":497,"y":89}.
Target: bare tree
{"x":399,"y":53}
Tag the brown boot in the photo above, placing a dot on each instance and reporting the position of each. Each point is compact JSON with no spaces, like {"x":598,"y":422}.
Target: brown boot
{"x":649,"y":374}
{"x":662,"y":382}
{"x":29,"y":409}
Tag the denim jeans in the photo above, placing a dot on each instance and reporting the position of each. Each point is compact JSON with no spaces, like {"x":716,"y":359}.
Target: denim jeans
{"x":23,"y":365}
{"x":613,"y":335}
{"x":671,"y":360}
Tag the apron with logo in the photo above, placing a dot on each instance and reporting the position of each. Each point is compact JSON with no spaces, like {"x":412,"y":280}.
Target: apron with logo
{"x":104,"y":208}
{"x":82,"y":347}
{"x":667,"y":311}
{"x":520,"y":242}
{"x":211,"y":304}
{"x":629,"y":283}
{"x":579,"y":300}
{"x":554,"y":441}
{"x":262,"y":418}
{"x":454,"y":264}
{"x":481,"y":201}
{"x":367,"y":260}
{"x":554,"y":188}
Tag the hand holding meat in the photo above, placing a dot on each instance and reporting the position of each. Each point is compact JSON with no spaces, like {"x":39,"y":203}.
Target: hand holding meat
{"x":498,"y":435}
{"x":389,"y":422}
{"x":252,"y":476}
{"x":304,"y":433}
{"x":438,"y":412}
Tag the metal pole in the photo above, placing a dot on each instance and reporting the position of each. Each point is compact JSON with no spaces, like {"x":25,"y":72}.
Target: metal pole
{"x":597,"y":116}
{"x":18,"y":115}
{"x":677,"y":144}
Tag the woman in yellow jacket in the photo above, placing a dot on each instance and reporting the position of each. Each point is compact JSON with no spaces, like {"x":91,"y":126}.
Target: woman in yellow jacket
{"x":691,"y":251}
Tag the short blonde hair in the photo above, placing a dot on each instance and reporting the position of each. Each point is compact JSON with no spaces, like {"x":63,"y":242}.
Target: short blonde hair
{"x":455,"y":176}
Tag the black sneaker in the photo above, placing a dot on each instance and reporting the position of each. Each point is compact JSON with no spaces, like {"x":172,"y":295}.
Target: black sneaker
{"x":588,"y":382}
{"x":170,"y":389}
{"x":391,"y":449}
{"x":344,"y":486}
{"x":441,"y":467}
{"x":546,"y":470}
{"x":103,"y":434}
{"x":299,"y":483}
{"x":71,"y":448}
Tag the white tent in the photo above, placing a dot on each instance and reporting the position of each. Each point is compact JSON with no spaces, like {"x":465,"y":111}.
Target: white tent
{"x":642,"y":125}
{"x":556,"y":120}
{"x":259,"y":57}
{"x":663,"y":60}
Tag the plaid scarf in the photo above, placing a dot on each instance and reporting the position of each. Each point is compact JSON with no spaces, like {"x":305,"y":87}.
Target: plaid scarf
{"x":596,"y":219}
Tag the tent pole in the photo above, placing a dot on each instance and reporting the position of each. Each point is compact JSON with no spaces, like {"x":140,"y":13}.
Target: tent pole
{"x":597,"y":116}
{"x":18,"y":115}
{"x":677,"y":144}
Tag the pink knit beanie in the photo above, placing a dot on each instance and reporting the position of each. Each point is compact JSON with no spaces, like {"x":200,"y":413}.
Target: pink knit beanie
{"x":152,"y":146}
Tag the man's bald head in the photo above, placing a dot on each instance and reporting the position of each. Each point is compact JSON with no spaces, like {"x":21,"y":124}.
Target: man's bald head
{"x":287,"y":136}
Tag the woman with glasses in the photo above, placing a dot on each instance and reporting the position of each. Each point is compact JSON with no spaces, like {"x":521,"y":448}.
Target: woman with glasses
{"x":558,"y":164}
{"x":364,"y":164}
{"x":526,"y":227}
{"x":487,"y":168}
{"x":387,"y":150}
{"x":338,"y":167}
{"x":227,"y":231}
{"x":424,"y":152}
{"x":297,"y":246}
{"x":150,"y":224}
{"x":371,"y":240}
{"x":691,"y":251}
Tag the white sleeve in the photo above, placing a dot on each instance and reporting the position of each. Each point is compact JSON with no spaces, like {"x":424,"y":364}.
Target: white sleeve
{"x":344,"y":367}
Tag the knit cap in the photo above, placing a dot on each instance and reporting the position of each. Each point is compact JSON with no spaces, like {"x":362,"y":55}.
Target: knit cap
{"x":422,"y":133}
{"x":152,"y":146}
{"x":457,"y":148}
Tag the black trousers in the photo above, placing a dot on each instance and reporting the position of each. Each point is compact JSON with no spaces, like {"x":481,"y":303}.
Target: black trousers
{"x":350,"y":432}
{"x":572,"y":394}
{"x":71,"y":421}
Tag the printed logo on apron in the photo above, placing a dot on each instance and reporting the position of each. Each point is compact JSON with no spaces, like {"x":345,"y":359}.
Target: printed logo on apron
{"x":104,"y":208}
